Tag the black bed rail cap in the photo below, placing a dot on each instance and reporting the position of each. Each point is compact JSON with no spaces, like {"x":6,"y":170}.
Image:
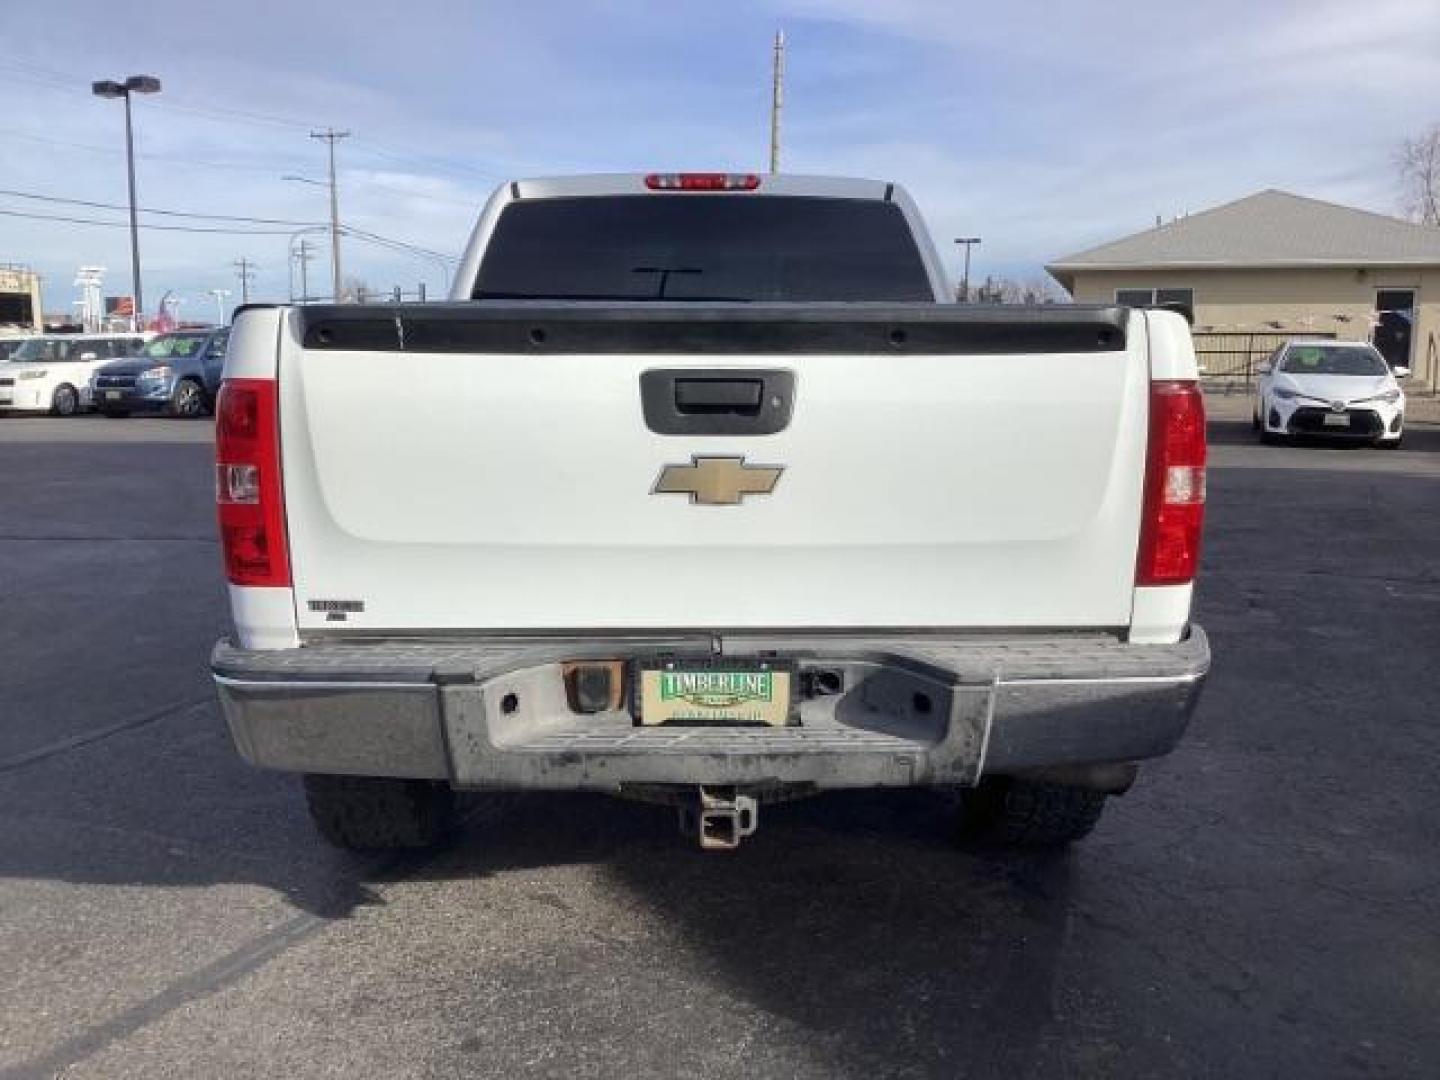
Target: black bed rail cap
{"x":712,"y":329}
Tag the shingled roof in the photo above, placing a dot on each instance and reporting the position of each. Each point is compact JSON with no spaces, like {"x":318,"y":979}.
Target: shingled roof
{"x":1269,"y":229}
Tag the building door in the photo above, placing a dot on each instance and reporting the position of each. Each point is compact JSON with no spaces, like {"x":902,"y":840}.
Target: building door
{"x":1394,"y":325}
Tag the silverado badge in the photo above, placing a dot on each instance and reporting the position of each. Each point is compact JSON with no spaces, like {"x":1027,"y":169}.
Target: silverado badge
{"x":717,"y":481}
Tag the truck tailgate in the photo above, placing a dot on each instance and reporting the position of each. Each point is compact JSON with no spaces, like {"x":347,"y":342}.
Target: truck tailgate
{"x":491,"y":467}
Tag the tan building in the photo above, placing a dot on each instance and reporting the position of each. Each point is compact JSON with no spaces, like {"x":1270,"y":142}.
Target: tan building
{"x":1274,"y":266}
{"x":20,"y":309}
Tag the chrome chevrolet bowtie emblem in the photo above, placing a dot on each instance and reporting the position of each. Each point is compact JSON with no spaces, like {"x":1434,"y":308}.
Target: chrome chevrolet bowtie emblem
{"x":717,"y":481}
{"x":1337,"y":406}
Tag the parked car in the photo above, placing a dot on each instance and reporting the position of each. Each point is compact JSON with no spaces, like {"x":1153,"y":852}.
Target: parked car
{"x":49,"y":373}
{"x":755,"y":521}
{"x":1335,"y":388}
{"x":176,"y":373}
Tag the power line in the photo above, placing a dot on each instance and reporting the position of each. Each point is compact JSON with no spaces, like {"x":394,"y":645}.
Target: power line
{"x":150,"y":210}
{"x":231,"y":166}
{"x":223,"y":113}
{"x":59,"y":80}
{"x":365,"y":235}
{"x":143,"y":225}
{"x":472,"y":204}
{"x":56,"y":80}
{"x":177,"y":159}
{"x":416,"y":157}
{"x":444,"y":261}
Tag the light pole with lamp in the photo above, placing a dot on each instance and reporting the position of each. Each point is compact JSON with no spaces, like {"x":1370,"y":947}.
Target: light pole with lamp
{"x":967,"y":242}
{"x":135,"y":84}
{"x":219,"y":295}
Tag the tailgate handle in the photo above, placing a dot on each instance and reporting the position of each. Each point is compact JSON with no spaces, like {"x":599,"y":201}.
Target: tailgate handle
{"x":717,"y":401}
{"x":739,"y":396}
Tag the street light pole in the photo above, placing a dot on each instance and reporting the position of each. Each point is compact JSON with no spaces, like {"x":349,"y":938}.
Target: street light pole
{"x":135,"y":84}
{"x":967,"y":242}
{"x":220,"y":295}
{"x":136,"y":317}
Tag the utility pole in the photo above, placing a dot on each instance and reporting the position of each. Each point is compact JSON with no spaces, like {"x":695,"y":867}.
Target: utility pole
{"x":968,"y":242}
{"x":330,"y":135}
{"x":303,"y":257}
{"x":245,"y":271}
{"x":777,"y":99}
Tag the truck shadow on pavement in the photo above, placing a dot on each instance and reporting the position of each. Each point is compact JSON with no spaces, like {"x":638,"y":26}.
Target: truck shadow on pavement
{"x":856,"y":918}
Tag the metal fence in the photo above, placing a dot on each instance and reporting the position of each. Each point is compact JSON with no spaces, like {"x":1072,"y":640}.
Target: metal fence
{"x":1233,"y":356}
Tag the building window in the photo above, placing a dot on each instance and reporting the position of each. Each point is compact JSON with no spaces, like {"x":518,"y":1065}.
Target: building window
{"x":1151,"y":297}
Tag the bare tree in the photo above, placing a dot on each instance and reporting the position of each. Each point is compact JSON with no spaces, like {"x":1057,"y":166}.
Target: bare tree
{"x":1037,"y":289}
{"x":1043,"y":289}
{"x":1418,"y":163}
{"x":354,"y":290}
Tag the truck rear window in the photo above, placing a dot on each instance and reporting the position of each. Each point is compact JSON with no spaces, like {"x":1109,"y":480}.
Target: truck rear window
{"x":704,"y":248}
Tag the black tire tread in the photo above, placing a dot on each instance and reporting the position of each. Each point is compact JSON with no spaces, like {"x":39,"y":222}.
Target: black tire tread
{"x":368,"y":813}
{"x":1026,"y":813}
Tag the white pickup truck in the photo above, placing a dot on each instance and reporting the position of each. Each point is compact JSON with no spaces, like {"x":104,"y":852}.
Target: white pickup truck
{"x":699,"y":490}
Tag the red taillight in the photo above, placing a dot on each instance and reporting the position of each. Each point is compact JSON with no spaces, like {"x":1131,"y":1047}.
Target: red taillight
{"x":247,"y":483}
{"x":702,"y":181}
{"x":1174,"y":486}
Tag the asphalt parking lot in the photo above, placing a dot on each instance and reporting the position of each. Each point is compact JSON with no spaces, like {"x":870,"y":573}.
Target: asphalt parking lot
{"x":1266,"y":902}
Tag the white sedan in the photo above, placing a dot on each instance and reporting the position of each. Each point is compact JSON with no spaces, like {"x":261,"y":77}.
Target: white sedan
{"x":1340,"y":388}
{"x":50,"y":373}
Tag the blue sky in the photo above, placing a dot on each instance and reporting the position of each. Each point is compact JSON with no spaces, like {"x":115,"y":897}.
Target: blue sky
{"x":1042,"y":127}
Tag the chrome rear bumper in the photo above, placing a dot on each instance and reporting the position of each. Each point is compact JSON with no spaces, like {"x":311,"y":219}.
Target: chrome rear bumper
{"x":916,"y":709}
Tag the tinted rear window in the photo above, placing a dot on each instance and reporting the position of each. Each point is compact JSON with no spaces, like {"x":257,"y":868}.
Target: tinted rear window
{"x":702,"y":247}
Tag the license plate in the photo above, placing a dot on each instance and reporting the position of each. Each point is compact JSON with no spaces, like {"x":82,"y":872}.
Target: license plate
{"x":701,"y":692}
{"x":1337,"y":420}
{"x":112,"y":395}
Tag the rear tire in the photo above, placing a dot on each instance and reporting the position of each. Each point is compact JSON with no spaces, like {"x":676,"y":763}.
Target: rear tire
{"x":66,"y":401}
{"x":368,"y":813}
{"x":1026,"y":813}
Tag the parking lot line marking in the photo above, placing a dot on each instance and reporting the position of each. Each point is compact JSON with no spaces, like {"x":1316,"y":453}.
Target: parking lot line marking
{"x":75,"y":742}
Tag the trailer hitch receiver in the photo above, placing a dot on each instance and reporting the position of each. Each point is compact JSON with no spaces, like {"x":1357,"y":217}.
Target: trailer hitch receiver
{"x":719,"y":817}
